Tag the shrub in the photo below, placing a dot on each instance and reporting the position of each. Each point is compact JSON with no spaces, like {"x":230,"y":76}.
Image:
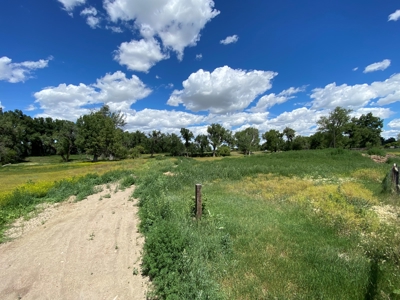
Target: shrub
{"x":376,"y":151}
{"x":224,"y":151}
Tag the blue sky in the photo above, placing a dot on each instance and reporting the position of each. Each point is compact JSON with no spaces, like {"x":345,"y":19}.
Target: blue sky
{"x":168,"y":64}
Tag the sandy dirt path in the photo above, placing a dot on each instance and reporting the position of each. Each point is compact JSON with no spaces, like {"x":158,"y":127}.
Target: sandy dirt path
{"x":77,"y":250}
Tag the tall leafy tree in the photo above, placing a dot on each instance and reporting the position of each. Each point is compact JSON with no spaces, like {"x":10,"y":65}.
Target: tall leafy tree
{"x":216,"y":135}
{"x":202,"y":143}
{"x":335,"y":124}
{"x":290,"y":134}
{"x":14,"y":136}
{"x":174,"y":144}
{"x":187,"y":135}
{"x":247,"y":140}
{"x":274,"y":140}
{"x":99,"y":132}
{"x":364,"y":131}
{"x":65,"y":138}
{"x":153,"y":141}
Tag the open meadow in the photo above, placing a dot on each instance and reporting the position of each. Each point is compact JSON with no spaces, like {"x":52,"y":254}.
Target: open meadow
{"x":291,"y":225}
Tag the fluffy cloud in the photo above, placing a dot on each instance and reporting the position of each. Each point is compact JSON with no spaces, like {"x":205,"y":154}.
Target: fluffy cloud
{"x":394,"y":16}
{"x":165,"y":120}
{"x":17,"y":72}
{"x":176,"y":22}
{"x":379,"y":112}
{"x":394,"y":124}
{"x":139,"y":55}
{"x":70,"y":101}
{"x":303,"y":120}
{"x":378,"y":66}
{"x":222,"y":91}
{"x":332,"y":95}
{"x":229,"y":40}
{"x":358,"y":95}
{"x":237,"y":119}
{"x":388,"y":91}
{"x":272,"y":99}
{"x":90,"y":13}
{"x":69,"y":5}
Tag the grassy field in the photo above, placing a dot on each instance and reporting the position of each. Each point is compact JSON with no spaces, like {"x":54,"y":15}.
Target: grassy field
{"x":295,"y":225}
{"x":292,"y":225}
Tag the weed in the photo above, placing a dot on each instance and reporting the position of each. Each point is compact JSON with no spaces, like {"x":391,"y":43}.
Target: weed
{"x":107,"y":195}
{"x":135,"y":271}
{"x":91,"y":236}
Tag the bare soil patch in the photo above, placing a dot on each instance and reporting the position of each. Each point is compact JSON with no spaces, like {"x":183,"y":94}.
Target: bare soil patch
{"x":76,"y":250}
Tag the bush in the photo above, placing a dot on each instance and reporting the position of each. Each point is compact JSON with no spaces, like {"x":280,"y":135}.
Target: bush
{"x":223,"y":151}
{"x":376,"y":151}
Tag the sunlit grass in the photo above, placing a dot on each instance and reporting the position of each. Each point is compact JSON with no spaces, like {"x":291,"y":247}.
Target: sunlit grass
{"x":43,"y":170}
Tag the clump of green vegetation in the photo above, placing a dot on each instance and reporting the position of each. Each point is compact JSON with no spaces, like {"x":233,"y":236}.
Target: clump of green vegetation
{"x":376,"y":151}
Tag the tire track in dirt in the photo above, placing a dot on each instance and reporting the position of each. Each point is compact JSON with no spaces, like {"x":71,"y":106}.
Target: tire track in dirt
{"x":86,"y":250}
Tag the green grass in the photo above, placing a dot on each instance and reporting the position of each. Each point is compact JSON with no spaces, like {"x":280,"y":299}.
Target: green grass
{"x":275,"y":244}
{"x":50,"y":169}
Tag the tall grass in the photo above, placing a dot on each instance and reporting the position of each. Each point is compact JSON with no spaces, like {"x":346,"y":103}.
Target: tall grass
{"x":294,"y":225}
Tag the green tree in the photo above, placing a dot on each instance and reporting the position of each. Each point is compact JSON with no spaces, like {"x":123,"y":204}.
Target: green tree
{"x":274,"y":140}
{"x":153,"y":141}
{"x":290,"y":134}
{"x":14,"y":137}
{"x":216,"y":135}
{"x":364,"y":131}
{"x":335,"y":124}
{"x":187,"y":135}
{"x":301,"y":143}
{"x":247,"y":140}
{"x":202,"y":143}
{"x":175,"y":145}
{"x":99,"y":133}
{"x":65,"y":138}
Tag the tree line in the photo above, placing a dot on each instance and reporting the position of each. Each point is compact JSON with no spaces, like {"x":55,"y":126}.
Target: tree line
{"x":100,"y":134}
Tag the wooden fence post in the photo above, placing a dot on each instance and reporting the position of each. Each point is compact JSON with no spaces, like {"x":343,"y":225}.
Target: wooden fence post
{"x":198,"y":204}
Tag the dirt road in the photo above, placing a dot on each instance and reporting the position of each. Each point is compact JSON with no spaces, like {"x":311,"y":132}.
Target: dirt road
{"x":76,"y":250}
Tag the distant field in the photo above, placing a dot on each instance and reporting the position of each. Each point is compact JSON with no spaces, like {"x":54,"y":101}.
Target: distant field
{"x":51,"y":168}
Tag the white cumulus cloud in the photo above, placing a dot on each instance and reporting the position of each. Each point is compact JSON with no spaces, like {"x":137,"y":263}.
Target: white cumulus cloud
{"x":394,"y":16}
{"x":176,"y":22}
{"x":69,"y":5}
{"x":19,"y":72}
{"x":357,"y":96}
{"x":379,"y":112}
{"x":229,"y":40}
{"x":165,"y":120}
{"x":90,"y":13}
{"x":139,"y":55}
{"x":378,"y":66}
{"x":70,"y":101}
{"x":222,"y":91}
{"x":394,"y":124}
{"x":272,"y":99}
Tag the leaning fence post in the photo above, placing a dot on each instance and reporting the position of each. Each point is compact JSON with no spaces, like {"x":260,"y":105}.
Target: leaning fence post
{"x":198,"y":204}
{"x":395,"y":178}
